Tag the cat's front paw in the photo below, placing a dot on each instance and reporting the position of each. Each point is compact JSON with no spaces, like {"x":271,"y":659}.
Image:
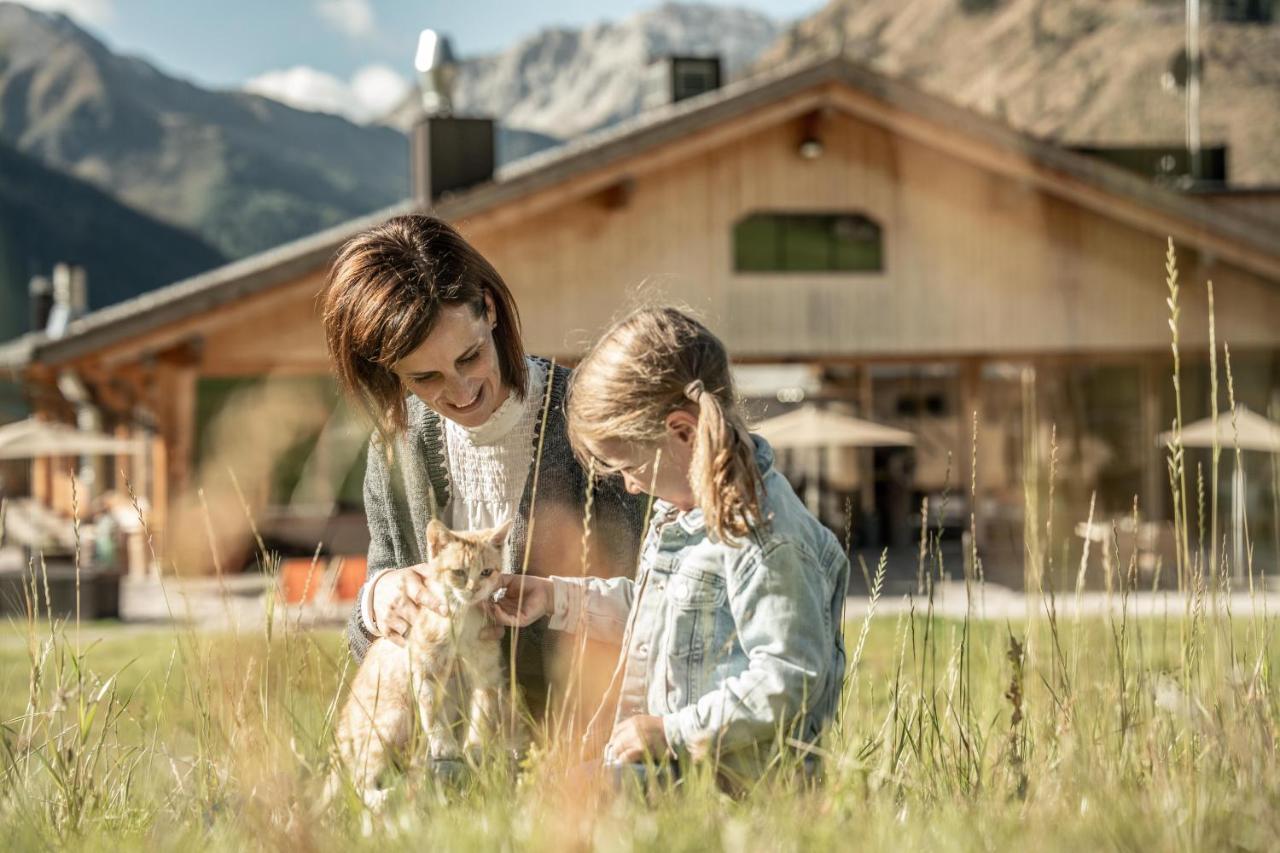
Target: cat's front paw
{"x":441,"y":748}
{"x":375,"y":799}
{"x":475,"y":743}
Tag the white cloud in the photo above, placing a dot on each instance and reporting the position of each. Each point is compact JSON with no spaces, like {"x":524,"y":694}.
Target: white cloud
{"x":378,"y":89}
{"x":370,"y":94}
{"x":353,"y":17}
{"x":84,"y":11}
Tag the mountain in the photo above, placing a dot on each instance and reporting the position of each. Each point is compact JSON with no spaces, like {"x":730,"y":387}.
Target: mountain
{"x":561,"y":82}
{"x":243,"y":171}
{"x":47,"y":216}
{"x":1081,"y":72}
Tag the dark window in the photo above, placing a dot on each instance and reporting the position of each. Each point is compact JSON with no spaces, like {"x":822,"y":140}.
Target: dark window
{"x":1244,"y":11}
{"x":692,"y":76}
{"x":807,"y":242}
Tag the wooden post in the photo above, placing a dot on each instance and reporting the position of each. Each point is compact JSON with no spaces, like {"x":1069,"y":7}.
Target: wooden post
{"x":1152,"y":502}
{"x":176,"y":374}
{"x":159,"y":495}
{"x":42,"y":480}
{"x":866,"y":456}
{"x":970,"y":402}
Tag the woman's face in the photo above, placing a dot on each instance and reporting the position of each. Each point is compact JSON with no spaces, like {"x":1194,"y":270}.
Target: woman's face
{"x":455,"y":371}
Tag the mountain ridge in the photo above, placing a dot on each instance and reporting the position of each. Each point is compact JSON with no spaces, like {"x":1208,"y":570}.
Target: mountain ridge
{"x":1084,"y":72}
{"x":244,"y":171}
{"x":48,"y":217}
{"x":561,"y":81}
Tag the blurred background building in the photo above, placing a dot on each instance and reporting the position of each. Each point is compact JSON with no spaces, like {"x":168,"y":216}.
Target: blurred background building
{"x":955,"y":288}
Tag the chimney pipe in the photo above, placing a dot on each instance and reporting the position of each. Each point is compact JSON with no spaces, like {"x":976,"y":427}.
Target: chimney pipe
{"x":693,"y":75}
{"x":446,"y":153}
{"x":70,"y":298}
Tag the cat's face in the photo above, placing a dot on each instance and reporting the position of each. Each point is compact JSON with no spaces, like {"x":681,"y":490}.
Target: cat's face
{"x":467,"y":565}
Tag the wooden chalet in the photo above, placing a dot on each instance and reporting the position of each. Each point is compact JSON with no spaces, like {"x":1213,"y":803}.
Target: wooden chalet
{"x":924,"y":262}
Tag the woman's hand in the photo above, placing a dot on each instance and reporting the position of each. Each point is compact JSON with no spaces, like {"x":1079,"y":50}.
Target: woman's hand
{"x":637,"y":738}
{"x":399,"y":595}
{"x":525,"y":599}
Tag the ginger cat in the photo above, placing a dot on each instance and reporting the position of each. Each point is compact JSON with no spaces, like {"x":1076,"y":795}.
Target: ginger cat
{"x":444,"y":673}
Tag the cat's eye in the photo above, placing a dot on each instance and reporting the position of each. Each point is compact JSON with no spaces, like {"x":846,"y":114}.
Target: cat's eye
{"x":460,"y":574}
{"x":485,"y":573}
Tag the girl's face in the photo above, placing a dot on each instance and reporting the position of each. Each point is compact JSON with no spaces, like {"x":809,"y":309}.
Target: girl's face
{"x":455,"y":370}
{"x":669,"y":456}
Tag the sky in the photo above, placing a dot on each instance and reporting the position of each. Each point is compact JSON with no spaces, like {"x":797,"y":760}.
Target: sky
{"x":355,"y":54}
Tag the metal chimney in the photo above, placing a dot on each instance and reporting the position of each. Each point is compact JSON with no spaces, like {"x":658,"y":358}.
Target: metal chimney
{"x":69,"y":299}
{"x":60,"y":312}
{"x":693,"y":75}
{"x":447,"y":153}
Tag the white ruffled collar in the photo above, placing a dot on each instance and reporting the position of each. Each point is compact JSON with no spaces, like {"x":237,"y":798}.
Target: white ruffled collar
{"x":509,"y":414}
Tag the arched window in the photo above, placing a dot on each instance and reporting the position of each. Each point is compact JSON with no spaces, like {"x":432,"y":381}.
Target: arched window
{"x":807,"y":242}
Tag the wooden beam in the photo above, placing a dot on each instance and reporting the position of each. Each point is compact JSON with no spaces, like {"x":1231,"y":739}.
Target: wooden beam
{"x":616,"y":196}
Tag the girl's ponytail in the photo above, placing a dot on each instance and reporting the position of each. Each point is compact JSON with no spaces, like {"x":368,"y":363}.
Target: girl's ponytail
{"x":723,"y":472}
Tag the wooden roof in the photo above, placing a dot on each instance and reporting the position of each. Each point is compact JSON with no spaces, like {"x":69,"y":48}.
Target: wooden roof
{"x":1239,"y":239}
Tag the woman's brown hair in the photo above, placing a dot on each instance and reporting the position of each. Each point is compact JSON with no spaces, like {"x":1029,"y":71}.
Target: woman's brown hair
{"x":384,"y":295}
{"x":646,"y":366}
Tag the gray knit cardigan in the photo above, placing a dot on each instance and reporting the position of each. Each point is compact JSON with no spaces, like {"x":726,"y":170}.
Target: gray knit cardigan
{"x":403,"y":494}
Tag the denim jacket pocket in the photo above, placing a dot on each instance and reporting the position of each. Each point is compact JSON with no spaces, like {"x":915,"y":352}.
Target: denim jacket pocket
{"x":695,"y":599}
{"x":695,"y":589}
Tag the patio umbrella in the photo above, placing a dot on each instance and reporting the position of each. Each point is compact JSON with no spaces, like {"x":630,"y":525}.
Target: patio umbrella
{"x":34,"y":438}
{"x":1253,"y":430}
{"x":809,"y":426}
{"x":1250,"y":431}
{"x":814,"y":428}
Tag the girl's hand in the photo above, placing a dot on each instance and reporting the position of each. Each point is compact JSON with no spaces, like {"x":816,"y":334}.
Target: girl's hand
{"x":526,"y":599}
{"x":399,"y":595}
{"x":637,"y":738}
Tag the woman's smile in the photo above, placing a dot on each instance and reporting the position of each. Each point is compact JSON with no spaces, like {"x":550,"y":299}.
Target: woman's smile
{"x":471,"y":405}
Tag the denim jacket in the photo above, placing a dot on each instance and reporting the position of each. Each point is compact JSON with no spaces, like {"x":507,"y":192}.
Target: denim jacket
{"x":731,"y":643}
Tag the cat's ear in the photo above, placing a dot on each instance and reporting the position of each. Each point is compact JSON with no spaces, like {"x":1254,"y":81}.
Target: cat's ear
{"x":499,"y":534}
{"x":438,"y":536}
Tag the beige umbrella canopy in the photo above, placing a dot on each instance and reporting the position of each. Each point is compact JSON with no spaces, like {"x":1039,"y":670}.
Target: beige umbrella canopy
{"x":34,"y":438}
{"x":809,"y":426}
{"x":1250,"y":431}
{"x":1254,"y":432}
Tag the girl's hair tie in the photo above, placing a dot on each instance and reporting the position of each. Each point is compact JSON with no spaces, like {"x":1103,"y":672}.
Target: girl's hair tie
{"x":694,"y":390}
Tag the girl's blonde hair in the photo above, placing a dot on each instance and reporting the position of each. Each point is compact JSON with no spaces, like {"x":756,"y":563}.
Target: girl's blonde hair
{"x":651,"y":363}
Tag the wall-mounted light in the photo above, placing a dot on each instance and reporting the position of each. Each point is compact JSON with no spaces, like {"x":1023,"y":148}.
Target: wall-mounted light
{"x":811,"y":147}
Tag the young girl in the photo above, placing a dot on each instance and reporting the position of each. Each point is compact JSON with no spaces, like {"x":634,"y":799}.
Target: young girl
{"x":731,"y":630}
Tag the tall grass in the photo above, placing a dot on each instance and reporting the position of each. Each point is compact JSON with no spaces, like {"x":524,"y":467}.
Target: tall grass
{"x":1118,"y":731}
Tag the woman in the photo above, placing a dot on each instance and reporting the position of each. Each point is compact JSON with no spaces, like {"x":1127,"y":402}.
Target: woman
{"x":424,"y":333}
